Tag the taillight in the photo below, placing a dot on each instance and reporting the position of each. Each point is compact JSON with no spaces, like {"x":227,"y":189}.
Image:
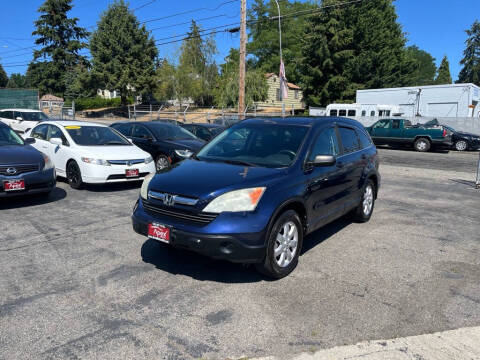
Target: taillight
{"x":444,"y":132}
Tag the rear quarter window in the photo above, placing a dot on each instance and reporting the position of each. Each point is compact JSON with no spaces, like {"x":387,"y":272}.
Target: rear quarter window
{"x":364,"y":138}
{"x":350,"y":141}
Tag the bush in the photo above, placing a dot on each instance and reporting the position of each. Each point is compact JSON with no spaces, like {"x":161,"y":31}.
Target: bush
{"x":96,"y":103}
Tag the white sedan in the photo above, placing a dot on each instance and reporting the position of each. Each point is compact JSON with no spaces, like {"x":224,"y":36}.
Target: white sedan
{"x":22,"y":120}
{"x":90,"y":153}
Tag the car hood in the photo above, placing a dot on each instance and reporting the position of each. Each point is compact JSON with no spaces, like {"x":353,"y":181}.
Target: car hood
{"x":190,"y":144}
{"x":114,"y":152}
{"x":205,"y":180}
{"x":19,"y":154}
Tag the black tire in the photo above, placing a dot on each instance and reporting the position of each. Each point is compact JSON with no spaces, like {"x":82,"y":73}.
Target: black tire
{"x":270,"y":267}
{"x":422,"y":145}
{"x":360,"y":214}
{"x":162,"y":163}
{"x":461,"y":145}
{"x":74,"y":175}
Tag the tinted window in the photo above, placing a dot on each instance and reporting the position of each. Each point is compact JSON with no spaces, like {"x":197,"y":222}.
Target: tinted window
{"x":171,"y":132}
{"x":325,"y":144}
{"x":9,"y":137}
{"x":382,"y":124}
{"x":203,"y":133}
{"x":333,"y":112}
{"x":55,"y":132}
{"x":352,"y":113}
{"x":342,"y":112}
{"x":125,"y":129}
{"x":141,"y":132}
{"x":365,"y":140}
{"x":40,"y":132}
{"x":190,"y":128}
{"x":6,"y":114}
{"x":349,"y":140}
{"x":95,"y":136}
{"x":32,"y":116}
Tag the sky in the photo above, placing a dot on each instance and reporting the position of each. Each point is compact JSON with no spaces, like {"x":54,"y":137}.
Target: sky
{"x":437,"y":26}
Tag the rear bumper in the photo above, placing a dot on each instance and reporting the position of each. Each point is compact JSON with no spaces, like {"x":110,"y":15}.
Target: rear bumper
{"x":240,"y":247}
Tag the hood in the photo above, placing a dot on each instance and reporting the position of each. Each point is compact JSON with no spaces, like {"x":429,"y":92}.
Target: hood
{"x":189,"y":144}
{"x":20,"y":154}
{"x":202,"y":179}
{"x":115,"y":152}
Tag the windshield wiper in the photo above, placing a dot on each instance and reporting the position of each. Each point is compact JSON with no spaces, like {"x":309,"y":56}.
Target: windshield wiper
{"x":239,"y":162}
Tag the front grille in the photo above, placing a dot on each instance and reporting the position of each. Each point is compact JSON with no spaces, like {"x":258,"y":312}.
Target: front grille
{"x":19,"y":169}
{"x":123,"y":176}
{"x":176,"y":213}
{"x":126,"y":162}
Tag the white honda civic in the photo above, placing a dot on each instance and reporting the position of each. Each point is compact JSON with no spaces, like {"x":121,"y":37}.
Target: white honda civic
{"x":85,"y":152}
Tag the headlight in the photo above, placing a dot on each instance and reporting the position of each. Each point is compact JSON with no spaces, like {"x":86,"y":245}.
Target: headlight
{"x":48,"y":163}
{"x":144,"y":189}
{"x":148,"y":160}
{"x":184,"y":153}
{"x":236,"y":201}
{"x":95,"y":161}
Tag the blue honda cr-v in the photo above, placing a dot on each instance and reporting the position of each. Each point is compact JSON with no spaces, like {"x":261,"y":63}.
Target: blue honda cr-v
{"x":255,"y":191}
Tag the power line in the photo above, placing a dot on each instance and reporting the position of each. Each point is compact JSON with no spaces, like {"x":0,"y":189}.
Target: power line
{"x":144,"y":5}
{"x":196,"y":20}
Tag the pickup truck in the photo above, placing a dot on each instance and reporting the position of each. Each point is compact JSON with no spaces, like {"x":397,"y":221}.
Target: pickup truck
{"x":400,"y":132}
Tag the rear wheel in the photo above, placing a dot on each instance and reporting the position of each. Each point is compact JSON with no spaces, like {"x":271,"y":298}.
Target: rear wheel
{"x":364,"y":211}
{"x":422,"y":144}
{"x":74,"y":175}
{"x":461,"y":145}
{"x":162,"y":162}
{"x":284,"y":245}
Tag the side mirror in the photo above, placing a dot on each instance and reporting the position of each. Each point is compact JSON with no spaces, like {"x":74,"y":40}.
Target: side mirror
{"x":19,"y":118}
{"x":324,"y":160}
{"x":29,"y":141}
{"x":56,"y":141}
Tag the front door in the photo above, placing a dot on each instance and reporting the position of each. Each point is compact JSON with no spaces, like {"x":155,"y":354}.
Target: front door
{"x":143,"y":138}
{"x":380,"y":132}
{"x":58,"y":153}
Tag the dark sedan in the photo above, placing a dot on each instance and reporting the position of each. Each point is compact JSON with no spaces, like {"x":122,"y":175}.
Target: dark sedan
{"x":23,"y":169}
{"x":204,"y":131}
{"x":167,"y":143}
{"x":463,"y":141}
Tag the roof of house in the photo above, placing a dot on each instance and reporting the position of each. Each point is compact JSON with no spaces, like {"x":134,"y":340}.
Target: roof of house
{"x":50,"y":97}
{"x":289,"y":84}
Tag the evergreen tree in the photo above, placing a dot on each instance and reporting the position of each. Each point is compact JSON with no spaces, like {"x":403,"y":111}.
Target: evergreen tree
{"x":61,"y":40}
{"x":443,"y":76}
{"x":470,"y":72}
{"x":425,"y":67}
{"x":197,"y":72}
{"x":123,"y":53}
{"x":166,"y":81}
{"x":17,"y":81}
{"x":3,"y":77}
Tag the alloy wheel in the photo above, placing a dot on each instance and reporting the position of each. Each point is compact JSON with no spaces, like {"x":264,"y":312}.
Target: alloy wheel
{"x":286,"y":244}
{"x":368,"y":200}
{"x":162,"y":163}
{"x":461,"y":145}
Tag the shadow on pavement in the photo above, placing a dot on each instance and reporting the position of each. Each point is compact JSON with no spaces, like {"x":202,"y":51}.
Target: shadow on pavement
{"x":322,"y":234}
{"x":20,"y":201}
{"x":114,"y":187}
{"x":464,"y":182}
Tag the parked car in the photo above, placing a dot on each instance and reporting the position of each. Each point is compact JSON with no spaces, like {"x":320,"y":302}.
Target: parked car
{"x":400,"y":132}
{"x":85,"y":152}
{"x":23,"y":169}
{"x":166,"y":143}
{"x":22,"y":120}
{"x":255,"y":191}
{"x":204,"y":131}
{"x":463,"y":141}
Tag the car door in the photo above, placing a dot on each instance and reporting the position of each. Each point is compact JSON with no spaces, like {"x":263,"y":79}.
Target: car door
{"x":143,"y":138}
{"x":352,"y":162}
{"x":396,"y":132}
{"x":325,"y":184}
{"x":39,"y":133}
{"x":59,"y":154}
{"x":380,"y":131}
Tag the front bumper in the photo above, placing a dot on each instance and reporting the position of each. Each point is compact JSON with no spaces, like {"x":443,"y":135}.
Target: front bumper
{"x":98,"y":174}
{"x":35,"y":183}
{"x":242,"y":247}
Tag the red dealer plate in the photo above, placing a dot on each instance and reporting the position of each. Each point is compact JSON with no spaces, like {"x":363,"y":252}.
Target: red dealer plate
{"x":159,"y":232}
{"x":14,"y":185}
{"x":131,"y":173}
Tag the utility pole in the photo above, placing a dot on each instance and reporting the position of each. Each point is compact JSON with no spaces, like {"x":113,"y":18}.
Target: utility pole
{"x":243,"y":54}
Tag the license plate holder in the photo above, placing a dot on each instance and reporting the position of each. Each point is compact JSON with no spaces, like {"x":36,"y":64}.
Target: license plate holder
{"x":132,"y":173}
{"x":14,"y":185}
{"x":159,"y":232}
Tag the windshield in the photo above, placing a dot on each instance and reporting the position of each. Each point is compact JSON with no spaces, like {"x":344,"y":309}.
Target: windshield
{"x":32,"y":116}
{"x":267,"y":145}
{"x":95,"y":136}
{"x":9,"y":137}
{"x":171,"y":132}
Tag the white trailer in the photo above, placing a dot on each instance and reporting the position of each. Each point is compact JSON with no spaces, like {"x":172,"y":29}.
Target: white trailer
{"x":362,"y":110}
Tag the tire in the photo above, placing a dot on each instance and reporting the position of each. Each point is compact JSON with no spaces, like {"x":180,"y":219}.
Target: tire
{"x":364,"y":211}
{"x":286,"y":260}
{"x":74,"y":175}
{"x":422,"y":144}
{"x":161,"y":163}
{"x":461,"y":145}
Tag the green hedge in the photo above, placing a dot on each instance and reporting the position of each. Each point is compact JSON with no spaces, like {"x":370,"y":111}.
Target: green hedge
{"x":96,"y":103}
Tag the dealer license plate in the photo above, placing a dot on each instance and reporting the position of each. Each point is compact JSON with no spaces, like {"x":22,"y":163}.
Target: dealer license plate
{"x":159,"y":232}
{"x":130,"y":173}
{"x":14,"y":185}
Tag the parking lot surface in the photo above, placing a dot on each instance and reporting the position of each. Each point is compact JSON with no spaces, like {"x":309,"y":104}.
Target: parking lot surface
{"x":77,"y":282}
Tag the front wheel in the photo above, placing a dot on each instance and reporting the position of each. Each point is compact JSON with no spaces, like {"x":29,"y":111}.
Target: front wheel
{"x":283,"y":247}
{"x":364,"y":211}
{"x":74,"y":175}
{"x":162,"y":162}
{"x":461,"y":145}
{"x":422,"y":145}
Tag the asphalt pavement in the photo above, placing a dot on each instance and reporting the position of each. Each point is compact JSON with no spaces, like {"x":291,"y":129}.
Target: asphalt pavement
{"x":78,"y":283}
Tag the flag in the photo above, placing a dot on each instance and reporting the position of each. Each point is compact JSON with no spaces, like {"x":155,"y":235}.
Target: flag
{"x":283,"y":81}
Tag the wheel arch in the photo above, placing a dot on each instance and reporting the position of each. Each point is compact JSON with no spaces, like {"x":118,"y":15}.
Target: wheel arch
{"x":296,"y":204}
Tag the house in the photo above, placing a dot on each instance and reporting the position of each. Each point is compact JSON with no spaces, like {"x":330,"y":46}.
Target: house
{"x":294,"y":99}
{"x":51,"y":101}
{"x":107,"y":94}
{"x":451,"y":100}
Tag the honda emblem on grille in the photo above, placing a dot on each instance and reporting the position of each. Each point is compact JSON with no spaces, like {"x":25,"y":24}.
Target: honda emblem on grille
{"x":129,"y":163}
{"x":11,"y":171}
{"x":168,"y":200}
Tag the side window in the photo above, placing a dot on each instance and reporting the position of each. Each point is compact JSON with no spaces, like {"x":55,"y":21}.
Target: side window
{"x":40,"y":132}
{"x":372,"y":113}
{"x":124,"y":129}
{"x":349,"y":140}
{"x":342,"y":112}
{"x":333,"y":112}
{"x":364,"y":113}
{"x":352,"y":113}
{"x":203,"y":133}
{"x":365,"y":140}
{"x":7,"y":114}
{"x":382,"y":124}
{"x":55,"y":132}
{"x":396,"y":124}
{"x":141,"y":132}
{"x":325,"y":144}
